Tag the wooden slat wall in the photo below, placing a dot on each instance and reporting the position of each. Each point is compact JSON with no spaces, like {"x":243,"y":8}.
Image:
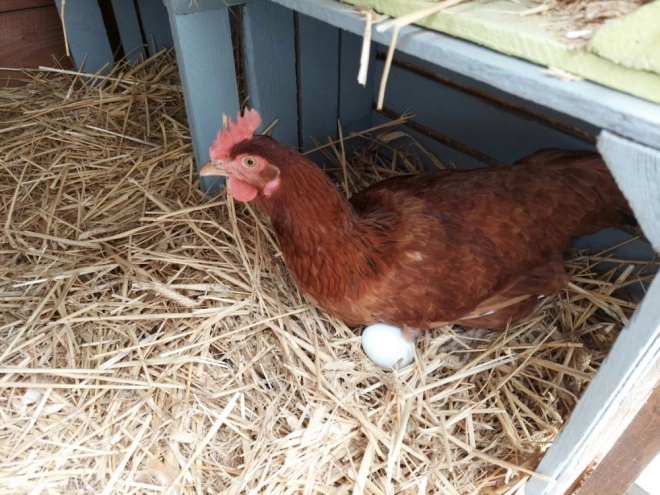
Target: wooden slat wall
{"x":30,"y":35}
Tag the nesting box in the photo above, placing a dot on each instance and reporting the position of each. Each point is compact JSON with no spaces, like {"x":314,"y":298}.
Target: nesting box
{"x":471,"y":106}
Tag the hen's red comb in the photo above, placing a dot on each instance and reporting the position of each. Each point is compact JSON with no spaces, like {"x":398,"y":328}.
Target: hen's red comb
{"x":233,"y":134}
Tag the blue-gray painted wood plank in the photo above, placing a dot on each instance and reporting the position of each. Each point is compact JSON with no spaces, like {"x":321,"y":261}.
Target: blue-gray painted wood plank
{"x":626,"y":249}
{"x":319,"y":84}
{"x":87,"y":37}
{"x":355,"y":100}
{"x":205,"y":56}
{"x":129,"y":30}
{"x":270,"y":67}
{"x":603,"y":107}
{"x":465,"y":118}
{"x":156,"y":25}
{"x":191,"y":6}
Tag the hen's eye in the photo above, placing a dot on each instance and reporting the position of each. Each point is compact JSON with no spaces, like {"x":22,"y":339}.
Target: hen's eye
{"x":249,"y":161}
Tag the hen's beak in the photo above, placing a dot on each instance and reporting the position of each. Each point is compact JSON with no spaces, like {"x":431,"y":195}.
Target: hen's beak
{"x":213,"y":168}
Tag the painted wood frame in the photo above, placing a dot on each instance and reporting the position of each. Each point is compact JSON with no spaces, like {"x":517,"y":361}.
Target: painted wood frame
{"x":605,"y":108}
{"x":86,"y":35}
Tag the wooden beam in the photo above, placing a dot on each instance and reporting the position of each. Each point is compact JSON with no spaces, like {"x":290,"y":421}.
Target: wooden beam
{"x":270,"y":67}
{"x":318,"y":82}
{"x":636,"y":169}
{"x":87,"y":36}
{"x":354,"y":100}
{"x":205,"y":55}
{"x":632,"y":452}
{"x":155,"y":25}
{"x":128,"y":24}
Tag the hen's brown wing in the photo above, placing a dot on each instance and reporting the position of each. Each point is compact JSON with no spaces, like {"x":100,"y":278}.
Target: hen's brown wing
{"x":467,"y":240}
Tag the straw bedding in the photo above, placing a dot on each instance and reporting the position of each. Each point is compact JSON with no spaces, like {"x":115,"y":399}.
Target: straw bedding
{"x":578,"y":20}
{"x":152,"y":341}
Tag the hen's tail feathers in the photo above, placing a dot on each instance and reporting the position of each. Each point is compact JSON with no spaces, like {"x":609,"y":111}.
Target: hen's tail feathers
{"x":593,"y":187}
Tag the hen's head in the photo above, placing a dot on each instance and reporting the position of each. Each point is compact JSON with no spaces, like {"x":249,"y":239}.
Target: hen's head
{"x":244,"y":159}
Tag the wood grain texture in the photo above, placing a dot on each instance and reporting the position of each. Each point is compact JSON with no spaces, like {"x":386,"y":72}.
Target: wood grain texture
{"x":632,"y":452}
{"x":30,"y":38}
{"x":270,"y":68}
{"x":205,"y":54}
{"x":157,"y":31}
{"x":601,"y":106}
{"x":10,"y":5}
{"x":87,"y":36}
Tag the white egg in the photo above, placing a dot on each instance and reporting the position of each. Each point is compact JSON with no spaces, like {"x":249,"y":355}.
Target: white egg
{"x":385,"y":345}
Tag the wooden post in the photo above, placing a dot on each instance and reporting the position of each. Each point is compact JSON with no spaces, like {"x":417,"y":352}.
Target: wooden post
{"x":205,"y":54}
{"x":157,"y":32}
{"x":87,"y":36}
{"x":128,"y":23}
{"x":318,"y":81}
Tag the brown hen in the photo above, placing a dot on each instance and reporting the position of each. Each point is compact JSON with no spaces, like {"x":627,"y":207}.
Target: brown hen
{"x":474,"y":247}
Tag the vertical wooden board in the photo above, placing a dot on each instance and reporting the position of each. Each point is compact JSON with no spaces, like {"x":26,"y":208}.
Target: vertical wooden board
{"x":636,"y":169}
{"x":270,"y":67}
{"x":355,"y":100}
{"x":318,"y":81}
{"x":157,"y":31}
{"x":205,"y":55}
{"x":87,"y":37}
{"x":460,"y":116}
{"x":492,"y":92}
{"x":128,"y":24}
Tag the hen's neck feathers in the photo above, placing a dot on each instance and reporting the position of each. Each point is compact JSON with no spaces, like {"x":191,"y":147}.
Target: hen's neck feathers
{"x":306,"y":199}
{"x":321,"y":235}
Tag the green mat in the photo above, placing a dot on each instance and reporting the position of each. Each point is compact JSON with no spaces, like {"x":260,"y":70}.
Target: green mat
{"x":623,"y":54}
